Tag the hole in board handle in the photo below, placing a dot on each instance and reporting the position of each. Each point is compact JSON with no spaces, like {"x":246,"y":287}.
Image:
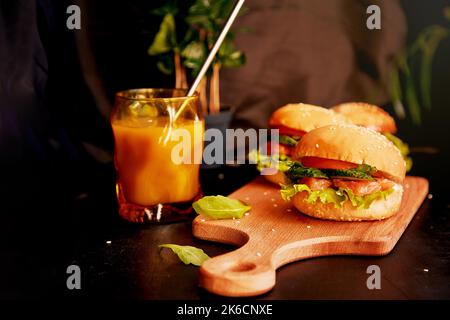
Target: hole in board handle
{"x":243,"y":267}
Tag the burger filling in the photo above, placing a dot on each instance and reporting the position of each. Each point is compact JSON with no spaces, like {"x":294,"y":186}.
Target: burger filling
{"x":288,"y":139}
{"x":337,"y":182}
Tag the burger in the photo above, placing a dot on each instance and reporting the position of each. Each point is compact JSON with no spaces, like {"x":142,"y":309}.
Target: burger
{"x":347,"y":173}
{"x":293,"y":121}
{"x":373,"y":117}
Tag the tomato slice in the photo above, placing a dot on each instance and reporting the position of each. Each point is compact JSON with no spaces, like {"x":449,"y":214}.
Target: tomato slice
{"x":290,"y":132}
{"x":322,"y":163}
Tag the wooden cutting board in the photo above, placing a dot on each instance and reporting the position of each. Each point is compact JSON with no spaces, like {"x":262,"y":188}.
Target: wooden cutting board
{"x":274,"y":234}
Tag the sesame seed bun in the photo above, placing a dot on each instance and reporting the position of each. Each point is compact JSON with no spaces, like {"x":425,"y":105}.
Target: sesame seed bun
{"x":378,"y":210}
{"x":367,"y":115}
{"x":304,"y":117}
{"x":356,"y":145}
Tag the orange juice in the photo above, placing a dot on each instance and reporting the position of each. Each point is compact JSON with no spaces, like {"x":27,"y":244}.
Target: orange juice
{"x":147,"y":175}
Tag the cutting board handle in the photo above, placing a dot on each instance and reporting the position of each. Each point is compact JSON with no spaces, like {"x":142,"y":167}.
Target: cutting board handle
{"x":239,"y":273}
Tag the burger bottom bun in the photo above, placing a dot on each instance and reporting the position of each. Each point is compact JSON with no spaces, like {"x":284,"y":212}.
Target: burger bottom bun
{"x":277,"y":178}
{"x":378,"y":210}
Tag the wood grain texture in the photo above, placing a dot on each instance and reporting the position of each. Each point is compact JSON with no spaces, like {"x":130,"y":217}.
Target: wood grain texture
{"x":274,"y":234}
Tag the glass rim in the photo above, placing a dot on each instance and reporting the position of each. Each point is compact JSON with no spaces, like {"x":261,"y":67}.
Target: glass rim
{"x":125,"y":94}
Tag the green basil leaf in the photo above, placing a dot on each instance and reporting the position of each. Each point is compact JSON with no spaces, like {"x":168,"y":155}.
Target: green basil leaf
{"x":220,"y":207}
{"x":188,"y":254}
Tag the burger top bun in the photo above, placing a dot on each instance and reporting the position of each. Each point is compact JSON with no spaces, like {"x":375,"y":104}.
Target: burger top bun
{"x":304,"y":117}
{"x":367,"y":115}
{"x":353,"y":144}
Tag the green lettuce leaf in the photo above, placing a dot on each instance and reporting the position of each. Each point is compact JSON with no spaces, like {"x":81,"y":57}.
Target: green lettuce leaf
{"x":281,"y":163}
{"x":220,"y":207}
{"x":336,"y":197}
{"x":290,"y":141}
{"x":188,"y":254}
{"x":364,"y":202}
{"x":289,"y":191}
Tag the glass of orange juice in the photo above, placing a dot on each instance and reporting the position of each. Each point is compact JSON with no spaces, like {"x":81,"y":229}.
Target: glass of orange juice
{"x":158,"y":137}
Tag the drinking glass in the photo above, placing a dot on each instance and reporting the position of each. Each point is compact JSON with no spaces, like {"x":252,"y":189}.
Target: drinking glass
{"x":158,"y":137}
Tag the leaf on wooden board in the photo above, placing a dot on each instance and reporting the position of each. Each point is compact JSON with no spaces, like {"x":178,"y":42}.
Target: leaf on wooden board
{"x":187,"y":254}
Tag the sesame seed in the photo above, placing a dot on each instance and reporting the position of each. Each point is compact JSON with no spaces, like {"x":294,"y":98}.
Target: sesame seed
{"x":246,"y":214}
{"x":275,"y":205}
{"x":159,"y":211}
{"x":258,"y":254}
{"x":148,"y":213}
{"x":108,"y":242}
{"x":430,"y":196}
{"x":426,"y":270}
{"x":289,"y":210}
{"x":273,"y":230}
{"x":202,"y":220}
{"x":273,"y":199}
{"x":237,"y":222}
{"x":247,"y":198}
{"x":317,"y":146}
{"x":309,"y":227}
{"x":265,"y":193}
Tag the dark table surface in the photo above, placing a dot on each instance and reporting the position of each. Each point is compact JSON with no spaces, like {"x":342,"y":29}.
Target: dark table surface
{"x":55,"y":216}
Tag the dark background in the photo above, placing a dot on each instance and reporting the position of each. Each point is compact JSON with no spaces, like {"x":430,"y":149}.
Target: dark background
{"x":50,"y":109}
{"x":114,"y":40}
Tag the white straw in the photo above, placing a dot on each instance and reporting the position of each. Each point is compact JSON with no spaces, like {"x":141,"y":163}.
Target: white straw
{"x":216,"y":47}
{"x":213,"y":52}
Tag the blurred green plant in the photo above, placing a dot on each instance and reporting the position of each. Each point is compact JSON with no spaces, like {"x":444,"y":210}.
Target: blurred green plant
{"x":447,"y":13}
{"x":204,"y":20}
{"x":166,"y":45}
{"x":416,"y":58}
